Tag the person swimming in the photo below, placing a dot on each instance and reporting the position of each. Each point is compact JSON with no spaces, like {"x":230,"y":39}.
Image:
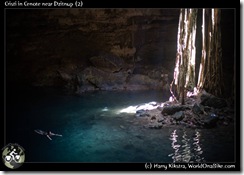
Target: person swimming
{"x":49,"y":134}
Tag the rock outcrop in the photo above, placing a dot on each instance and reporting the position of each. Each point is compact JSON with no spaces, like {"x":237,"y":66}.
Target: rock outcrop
{"x":191,"y":115}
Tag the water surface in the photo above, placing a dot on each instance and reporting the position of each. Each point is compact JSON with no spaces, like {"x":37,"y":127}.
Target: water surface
{"x":94,"y":131}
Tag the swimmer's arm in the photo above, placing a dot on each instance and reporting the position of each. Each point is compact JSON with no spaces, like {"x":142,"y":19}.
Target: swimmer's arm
{"x":58,"y":135}
{"x":53,"y":134}
{"x":49,"y":137}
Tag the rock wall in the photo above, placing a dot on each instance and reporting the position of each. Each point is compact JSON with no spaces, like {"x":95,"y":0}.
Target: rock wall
{"x":87,"y":49}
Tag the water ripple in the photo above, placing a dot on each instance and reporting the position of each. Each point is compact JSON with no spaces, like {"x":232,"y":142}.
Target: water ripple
{"x":185,"y":148}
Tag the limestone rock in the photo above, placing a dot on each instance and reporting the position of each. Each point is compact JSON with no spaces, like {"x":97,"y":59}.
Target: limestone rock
{"x":178,"y":116}
{"x":110,"y":63}
{"x":171,"y":109}
{"x":103,"y":80}
{"x":212,"y":101}
{"x":196,"y":109}
{"x":210,"y":121}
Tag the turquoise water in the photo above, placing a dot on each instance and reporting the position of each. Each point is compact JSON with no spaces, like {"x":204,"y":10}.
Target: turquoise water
{"x":94,"y":130}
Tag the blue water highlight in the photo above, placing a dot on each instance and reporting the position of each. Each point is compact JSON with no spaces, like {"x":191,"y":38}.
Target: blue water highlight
{"x":93,"y":130}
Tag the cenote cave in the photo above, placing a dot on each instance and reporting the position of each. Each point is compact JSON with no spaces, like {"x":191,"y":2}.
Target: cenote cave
{"x":121,"y":85}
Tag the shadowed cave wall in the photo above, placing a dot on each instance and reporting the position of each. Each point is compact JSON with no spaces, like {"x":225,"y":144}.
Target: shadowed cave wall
{"x":100,"y":49}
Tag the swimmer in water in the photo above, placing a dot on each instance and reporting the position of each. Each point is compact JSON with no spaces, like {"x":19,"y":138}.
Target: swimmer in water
{"x":49,"y":134}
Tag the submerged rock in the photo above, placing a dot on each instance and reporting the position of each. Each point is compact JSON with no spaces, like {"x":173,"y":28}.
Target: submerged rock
{"x":155,"y":125}
{"x":121,"y":126}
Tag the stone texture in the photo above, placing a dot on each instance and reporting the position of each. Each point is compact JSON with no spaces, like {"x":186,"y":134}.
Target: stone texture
{"x":44,"y":44}
{"x":178,"y":116}
{"x":103,"y":80}
{"x":110,"y":63}
{"x":212,"y":101}
{"x":197,"y":109}
{"x":52,"y":47}
{"x":138,"y":81}
{"x":169,"y":110}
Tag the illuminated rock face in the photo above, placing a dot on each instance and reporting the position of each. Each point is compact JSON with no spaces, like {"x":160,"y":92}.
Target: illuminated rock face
{"x":55,"y":47}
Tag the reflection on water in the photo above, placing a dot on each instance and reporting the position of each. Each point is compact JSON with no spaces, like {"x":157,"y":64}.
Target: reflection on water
{"x":176,"y":155}
{"x":186,"y":150}
{"x":197,"y":148}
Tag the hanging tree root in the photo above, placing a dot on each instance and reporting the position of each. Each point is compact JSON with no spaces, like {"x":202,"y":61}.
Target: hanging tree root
{"x":172,"y":93}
